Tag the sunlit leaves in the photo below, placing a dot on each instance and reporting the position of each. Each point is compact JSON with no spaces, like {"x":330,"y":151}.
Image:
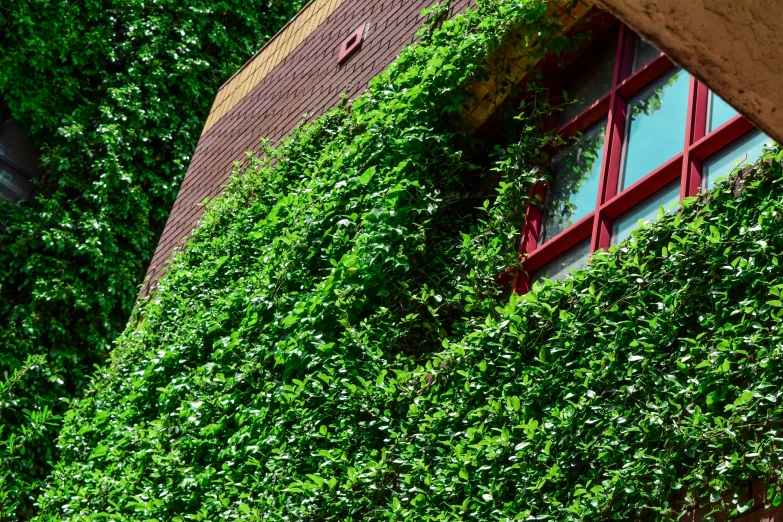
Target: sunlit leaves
{"x":333,"y":343}
{"x":114,"y":95}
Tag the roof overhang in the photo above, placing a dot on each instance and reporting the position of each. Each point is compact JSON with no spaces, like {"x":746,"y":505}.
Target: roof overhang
{"x":734,"y":47}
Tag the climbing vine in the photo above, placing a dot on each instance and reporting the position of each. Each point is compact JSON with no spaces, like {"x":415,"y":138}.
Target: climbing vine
{"x":114,"y":95}
{"x":333,"y":344}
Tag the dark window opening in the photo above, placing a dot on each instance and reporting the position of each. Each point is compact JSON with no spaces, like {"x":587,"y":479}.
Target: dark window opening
{"x":589,"y":78}
{"x":20,"y":164}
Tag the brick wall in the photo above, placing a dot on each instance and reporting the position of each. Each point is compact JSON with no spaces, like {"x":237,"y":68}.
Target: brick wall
{"x":756,"y":490}
{"x":307,"y":81}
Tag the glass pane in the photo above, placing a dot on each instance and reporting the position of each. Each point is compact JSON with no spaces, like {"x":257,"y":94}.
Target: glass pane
{"x":719,"y":113}
{"x":576,"y":172}
{"x":747,"y":149}
{"x":590,"y":77}
{"x":17,"y":150}
{"x":646,"y":211}
{"x":656,"y":126}
{"x":13,"y":185}
{"x":574,"y":258}
{"x":644,"y":52}
{"x":19,"y":163}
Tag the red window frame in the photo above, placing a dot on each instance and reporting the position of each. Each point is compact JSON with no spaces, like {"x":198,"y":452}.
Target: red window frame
{"x":687,"y":165}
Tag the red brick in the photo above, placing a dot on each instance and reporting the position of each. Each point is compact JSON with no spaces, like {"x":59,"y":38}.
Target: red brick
{"x":307,"y":81}
{"x":763,"y":515}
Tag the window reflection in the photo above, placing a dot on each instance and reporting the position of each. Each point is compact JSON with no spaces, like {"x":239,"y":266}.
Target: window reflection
{"x":644,"y":52}
{"x":656,"y":126}
{"x":719,"y":112}
{"x":590,"y":77}
{"x":574,"y":258}
{"x":747,"y":150}
{"x":646,"y":211}
{"x":576,"y":173}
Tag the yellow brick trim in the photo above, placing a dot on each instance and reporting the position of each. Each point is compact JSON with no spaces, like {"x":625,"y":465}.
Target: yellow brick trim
{"x":269,"y":57}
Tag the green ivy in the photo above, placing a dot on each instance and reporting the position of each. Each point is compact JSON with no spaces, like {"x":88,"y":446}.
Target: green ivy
{"x":333,"y":343}
{"x":13,"y":490}
{"x":114,"y":94}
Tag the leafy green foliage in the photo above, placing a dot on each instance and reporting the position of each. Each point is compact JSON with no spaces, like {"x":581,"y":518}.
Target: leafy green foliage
{"x":101,"y":87}
{"x":332,"y":344}
{"x":13,"y":447}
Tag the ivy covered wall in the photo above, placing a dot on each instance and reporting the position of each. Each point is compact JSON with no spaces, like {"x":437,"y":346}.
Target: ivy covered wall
{"x":333,"y":344}
{"x":114,"y":95}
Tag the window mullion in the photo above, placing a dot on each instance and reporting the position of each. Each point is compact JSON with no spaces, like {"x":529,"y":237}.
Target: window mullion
{"x":530,"y":233}
{"x":534,"y":213}
{"x":695,"y":130}
{"x":602,"y":226}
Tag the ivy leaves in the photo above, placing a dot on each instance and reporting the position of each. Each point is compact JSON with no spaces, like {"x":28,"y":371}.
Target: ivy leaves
{"x":100,"y":87}
{"x":333,"y":343}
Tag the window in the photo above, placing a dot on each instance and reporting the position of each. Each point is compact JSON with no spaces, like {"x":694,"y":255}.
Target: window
{"x":576,"y":172}
{"x":646,"y":211}
{"x":574,"y":258}
{"x":655,"y":126}
{"x":644,"y":52}
{"x":637,"y":143}
{"x":746,"y":150}
{"x":719,"y":112}
{"x":19,"y":164}
{"x":590,"y":77}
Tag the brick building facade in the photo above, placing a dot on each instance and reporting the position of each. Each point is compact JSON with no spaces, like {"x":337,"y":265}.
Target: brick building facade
{"x":333,"y":48}
{"x":295,"y":77}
